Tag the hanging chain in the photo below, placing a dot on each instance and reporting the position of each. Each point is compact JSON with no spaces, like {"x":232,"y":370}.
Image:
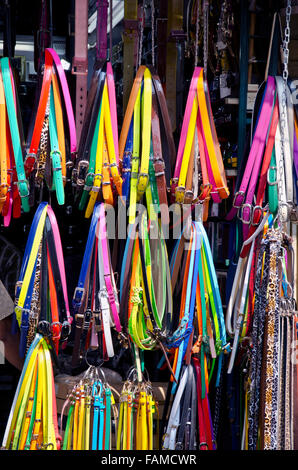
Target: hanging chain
{"x":141,"y":35}
{"x":206,"y":21}
{"x":197,"y":33}
{"x":152,"y":32}
{"x":283,"y":113}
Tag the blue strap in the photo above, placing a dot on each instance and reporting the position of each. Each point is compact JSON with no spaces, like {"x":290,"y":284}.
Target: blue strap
{"x":28,"y":248}
{"x":24,"y":326}
{"x":214,"y":282}
{"x":96,"y":415}
{"x":124,"y":260}
{"x":126,"y":167}
{"x":78,"y":294}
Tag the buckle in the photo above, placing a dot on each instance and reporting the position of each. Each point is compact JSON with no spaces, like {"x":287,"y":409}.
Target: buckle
{"x":56,"y":325}
{"x":65,"y":330}
{"x":81,"y":170}
{"x":274,"y":183}
{"x":239,"y":193}
{"x":179,"y":446}
{"x":294,"y":215}
{"x":255,"y":223}
{"x":77,"y":297}
{"x":240,"y":213}
{"x":44,"y":328}
{"x":32,"y":156}
{"x":19,"y":182}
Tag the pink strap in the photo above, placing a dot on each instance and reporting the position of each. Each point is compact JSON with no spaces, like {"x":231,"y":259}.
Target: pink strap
{"x":7,"y":217}
{"x":60,"y":257}
{"x":67,"y":101}
{"x":107,"y":269}
{"x":113,"y":107}
{"x":255,"y":155}
{"x":191,"y":95}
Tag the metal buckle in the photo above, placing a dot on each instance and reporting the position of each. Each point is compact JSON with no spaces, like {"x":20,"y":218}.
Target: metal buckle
{"x":294,"y":215}
{"x":255,"y":224}
{"x":80,"y":177}
{"x":274,"y":183}
{"x":77,"y":297}
{"x":28,"y":187}
{"x":239,"y":193}
{"x":44,"y":328}
{"x":240,"y":213}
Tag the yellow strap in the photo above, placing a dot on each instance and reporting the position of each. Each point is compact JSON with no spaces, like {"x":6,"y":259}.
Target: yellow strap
{"x":119,"y":431}
{"x":81,"y":420}
{"x":143,"y":403}
{"x":135,"y":159}
{"x":26,"y":423}
{"x":219,"y":177}
{"x":106,"y":183}
{"x":50,"y":437}
{"x":87,"y":425}
{"x":146,"y":134}
{"x":30,"y":265}
{"x":125,"y":409}
{"x":21,"y":392}
{"x":110,"y":142}
{"x":98,"y":166}
{"x":39,"y":400}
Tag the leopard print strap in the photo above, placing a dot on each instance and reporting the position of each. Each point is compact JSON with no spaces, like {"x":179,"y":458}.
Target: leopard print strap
{"x":35,"y":302}
{"x":43,"y":148}
{"x":256,"y":350}
{"x":270,"y":391}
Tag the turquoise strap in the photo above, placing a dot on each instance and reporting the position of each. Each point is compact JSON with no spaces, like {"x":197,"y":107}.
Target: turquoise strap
{"x":108,"y":420}
{"x":55,"y":153}
{"x":23,"y":184}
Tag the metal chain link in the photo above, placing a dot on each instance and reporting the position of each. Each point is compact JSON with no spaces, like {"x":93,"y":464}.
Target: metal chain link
{"x":152,"y":33}
{"x":206,"y":32}
{"x":141,"y":35}
{"x":197,"y":33}
{"x":283,"y":113}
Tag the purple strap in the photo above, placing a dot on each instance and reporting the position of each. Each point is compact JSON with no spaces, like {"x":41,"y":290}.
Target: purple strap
{"x":102,"y":20}
{"x":250,"y":176}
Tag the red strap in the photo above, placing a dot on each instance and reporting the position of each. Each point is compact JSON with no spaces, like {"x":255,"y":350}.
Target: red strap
{"x":203,"y":445}
{"x":43,"y":100}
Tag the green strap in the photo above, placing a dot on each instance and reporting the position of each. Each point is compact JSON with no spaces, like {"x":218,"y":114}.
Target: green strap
{"x":55,"y":153}
{"x":108,"y":419}
{"x":32,"y":419}
{"x":23,"y":184}
{"x":272,"y":185}
{"x":152,"y":181}
{"x":91,"y":170}
{"x":68,"y":426}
